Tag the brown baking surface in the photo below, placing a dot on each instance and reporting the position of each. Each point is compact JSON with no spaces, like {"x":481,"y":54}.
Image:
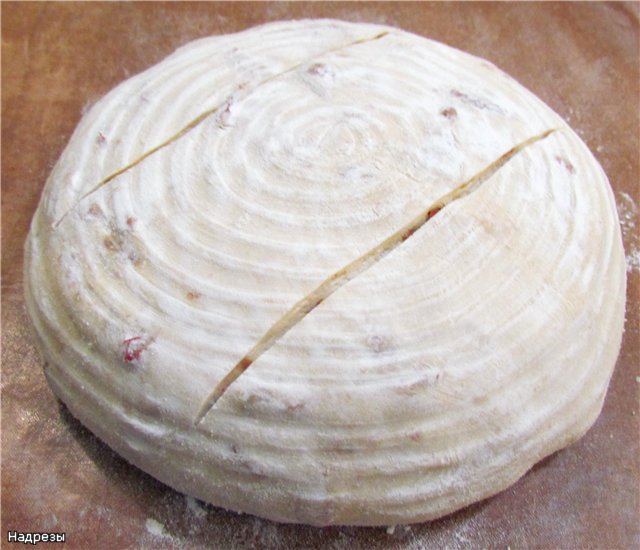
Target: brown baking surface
{"x":57,"y":59}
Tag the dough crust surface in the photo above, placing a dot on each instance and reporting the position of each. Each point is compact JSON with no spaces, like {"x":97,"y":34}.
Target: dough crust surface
{"x":198,"y":202}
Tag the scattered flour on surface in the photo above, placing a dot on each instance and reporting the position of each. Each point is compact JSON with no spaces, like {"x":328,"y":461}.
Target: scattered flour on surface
{"x":628,"y":212}
{"x":156,"y":528}
{"x":49,"y":523}
{"x":194,"y":507}
{"x":633,"y":260}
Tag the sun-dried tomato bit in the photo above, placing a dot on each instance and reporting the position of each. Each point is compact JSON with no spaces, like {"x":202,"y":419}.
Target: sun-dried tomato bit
{"x":468,"y":99}
{"x":314,"y":303}
{"x":449,"y":113}
{"x":566,"y":163}
{"x":109,"y":244}
{"x":408,"y":233}
{"x":133,"y":348}
{"x":245,"y":363}
{"x":193,"y":295}
{"x":432,"y":212}
{"x":318,"y":69}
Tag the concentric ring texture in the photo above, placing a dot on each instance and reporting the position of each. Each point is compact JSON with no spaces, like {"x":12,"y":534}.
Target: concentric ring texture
{"x":435,"y":378}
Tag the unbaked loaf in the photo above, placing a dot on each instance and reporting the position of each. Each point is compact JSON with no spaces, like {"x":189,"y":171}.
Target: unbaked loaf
{"x":328,"y":273}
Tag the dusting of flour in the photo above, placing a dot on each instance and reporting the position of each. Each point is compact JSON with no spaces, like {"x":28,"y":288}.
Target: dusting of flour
{"x":628,"y":212}
{"x":156,"y":528}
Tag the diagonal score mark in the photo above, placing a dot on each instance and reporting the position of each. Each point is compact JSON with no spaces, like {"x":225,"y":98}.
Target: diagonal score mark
{"x":304,"y":306}
{"x":206,"y":114}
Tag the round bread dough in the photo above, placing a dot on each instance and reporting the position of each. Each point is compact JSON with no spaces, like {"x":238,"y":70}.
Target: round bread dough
{"x":248,"y":203}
